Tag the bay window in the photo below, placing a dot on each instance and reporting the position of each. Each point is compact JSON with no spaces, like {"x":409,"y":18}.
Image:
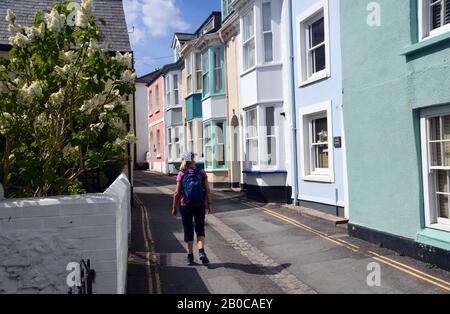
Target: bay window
{"x":267,"y":31}
{"x":436,"y":164}
{"x":434,"y":17}
{"x":317,"y":143}
{"x":213,"y":71}
{"x":215,"y":144}
{"x":262,"y":136}
{"x":248,"y":41}
{"x":314,"y":44}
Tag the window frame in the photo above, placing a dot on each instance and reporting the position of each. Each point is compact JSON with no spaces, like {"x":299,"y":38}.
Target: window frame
{"x":157,"y":97}
{"x":167,"y":89}
{"x":209,"y":71}
{"x":150,"y":102}
{"x":246,"y":42}
{"x":158,"y":143}
{"x":189,"y":70}
{"x":176,"y":89}
{"x":262,"y":136}
{"x":198,"y":72}
{"x":307,"y":115}
{"x":214,"y":145}
{"x":430,"y":176}
{"x":313,"y":14}
{"x":425,"y":31}
{"x":267,"y":32}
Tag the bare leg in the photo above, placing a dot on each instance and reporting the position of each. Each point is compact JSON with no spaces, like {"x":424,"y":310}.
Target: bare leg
{"x":201,"y":242}
{"x":190,"y":247}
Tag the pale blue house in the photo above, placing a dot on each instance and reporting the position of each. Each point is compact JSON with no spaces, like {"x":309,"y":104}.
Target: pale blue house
{"x":319,"y":166}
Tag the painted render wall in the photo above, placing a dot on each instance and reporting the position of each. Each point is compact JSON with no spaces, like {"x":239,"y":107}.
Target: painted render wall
{"x":234,"y":113}
{"x":156,"y":122}
{"x":40,"y":236}
{"x":382,"y":89}
{"x":142,"y":132}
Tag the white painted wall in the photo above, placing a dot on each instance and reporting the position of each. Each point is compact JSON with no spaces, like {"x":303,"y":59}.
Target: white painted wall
{"x":40,"y":236}
{"x":142,"y":143}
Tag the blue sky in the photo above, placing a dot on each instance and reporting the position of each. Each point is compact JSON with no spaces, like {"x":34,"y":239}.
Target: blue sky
{"x":154,"y":23}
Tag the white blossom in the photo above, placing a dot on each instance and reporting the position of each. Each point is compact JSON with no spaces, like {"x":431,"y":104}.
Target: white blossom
{"x":103,"y":116}
{"x":130,"y":138}
{"x":97,"y":126}
{"x":82,"y":19}
{"x":64,"y":71}
{"x":120,"y":142}
{"x":128,"y":76}
{"x":109,"y":107}
{"x":19,"y":40}
{"x":124,"y":59}
{"x":10,"y":17}
{"x":40,"y":122}
{"x":57,"y":98}
{"x":32,"y":90}
{"x":14,"y":29}
{"x":70,"y":152}
{"x":34,"y":33}
{"x":67,"y":56}
{"x":55,"y":21}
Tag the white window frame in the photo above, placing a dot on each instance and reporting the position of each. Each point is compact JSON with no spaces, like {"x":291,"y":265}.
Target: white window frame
{"x":150,"y":102}
{"x":432,"y":219}
{"x":176,"y":89}
{"x":245,"y":43}
{"x":303,"y":21}
{"x":267,"y":32}
{"x":198,"y":72}
{"x":200,"y":148}
{"x":157,"y":98}
{"x":190,"y":136}
{"x":307,"y":114}
{"x":189,"y":81}
{"x":158,"y":143}
{"x":167,"y":87}
{"x":425,"y":31}
{"x":177,"y":142}
{"x":169,"y":143}
{"x":261,"y":137}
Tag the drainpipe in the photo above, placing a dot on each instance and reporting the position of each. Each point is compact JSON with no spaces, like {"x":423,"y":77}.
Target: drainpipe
{"x":293,"y":106}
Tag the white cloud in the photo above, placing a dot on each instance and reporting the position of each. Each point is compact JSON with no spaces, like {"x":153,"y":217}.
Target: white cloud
{"x":153,"y":18}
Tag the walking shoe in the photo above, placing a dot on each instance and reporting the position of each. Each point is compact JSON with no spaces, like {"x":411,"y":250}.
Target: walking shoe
{"x":204,"y":258}
{"x":190,"y":260}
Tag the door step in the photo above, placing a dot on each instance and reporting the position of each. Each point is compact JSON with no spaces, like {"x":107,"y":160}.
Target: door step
{"x":313,"y":213}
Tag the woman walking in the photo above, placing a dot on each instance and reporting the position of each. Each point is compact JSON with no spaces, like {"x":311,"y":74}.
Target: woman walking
{"x":195,"y":196}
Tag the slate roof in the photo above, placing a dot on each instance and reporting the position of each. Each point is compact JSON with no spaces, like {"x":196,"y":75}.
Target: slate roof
{"x":115,"y":31}
{"x":149,"y":78}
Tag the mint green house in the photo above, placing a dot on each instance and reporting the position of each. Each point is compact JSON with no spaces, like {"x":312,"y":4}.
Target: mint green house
{"x":396,"y":96}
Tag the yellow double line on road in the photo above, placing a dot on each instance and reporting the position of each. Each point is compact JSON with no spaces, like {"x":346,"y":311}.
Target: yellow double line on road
{"x":443,"y":284}
{"x":149,"y":248}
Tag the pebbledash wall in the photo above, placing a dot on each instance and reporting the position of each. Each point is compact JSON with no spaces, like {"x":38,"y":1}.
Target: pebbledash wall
{"x":389,"y":77}
{"x":39,"y":237}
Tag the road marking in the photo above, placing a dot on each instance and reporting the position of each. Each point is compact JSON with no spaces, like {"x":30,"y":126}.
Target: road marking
{"x":285,"y":280}
{"x":383,"y":259}
{"x":149,"y":247}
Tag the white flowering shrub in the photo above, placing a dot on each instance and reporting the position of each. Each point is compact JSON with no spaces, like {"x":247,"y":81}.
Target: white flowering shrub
{"x":63,"y":104}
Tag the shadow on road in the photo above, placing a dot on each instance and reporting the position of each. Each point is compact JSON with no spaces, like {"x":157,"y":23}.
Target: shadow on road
{"x":253,"y":269}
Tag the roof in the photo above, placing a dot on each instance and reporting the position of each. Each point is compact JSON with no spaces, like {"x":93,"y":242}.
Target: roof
{"x":217,"y":16}
{"x":182,"y":38}
{"x":149,"y":78}
{"x":172,"y":66}
{"x":115,"y":30}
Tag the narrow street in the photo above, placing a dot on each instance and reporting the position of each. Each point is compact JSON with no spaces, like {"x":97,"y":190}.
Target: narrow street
{"x":259,"y":249}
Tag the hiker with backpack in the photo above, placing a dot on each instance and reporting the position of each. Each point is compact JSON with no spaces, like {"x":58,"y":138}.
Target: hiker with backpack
{"x":194,"y":196}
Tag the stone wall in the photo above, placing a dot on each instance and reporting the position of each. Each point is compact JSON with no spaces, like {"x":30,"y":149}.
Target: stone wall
{"x":39,"y":237}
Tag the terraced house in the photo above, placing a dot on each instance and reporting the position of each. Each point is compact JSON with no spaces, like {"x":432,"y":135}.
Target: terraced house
{"x":397,"y":117}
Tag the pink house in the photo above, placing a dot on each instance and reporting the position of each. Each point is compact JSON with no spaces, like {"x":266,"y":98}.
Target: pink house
{"x":156,"y":158}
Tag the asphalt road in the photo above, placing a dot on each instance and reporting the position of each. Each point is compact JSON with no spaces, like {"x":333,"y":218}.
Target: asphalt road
{"x":260,"y":249}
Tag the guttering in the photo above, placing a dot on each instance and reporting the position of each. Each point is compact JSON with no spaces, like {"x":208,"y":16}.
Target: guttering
{"x":293,"y":105}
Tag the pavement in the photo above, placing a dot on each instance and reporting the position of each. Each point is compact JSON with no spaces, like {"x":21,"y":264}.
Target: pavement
{"x":260,"y":249}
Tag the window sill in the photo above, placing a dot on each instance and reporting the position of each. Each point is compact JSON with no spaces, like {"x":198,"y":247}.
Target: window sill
{"x":426,"y":43}
{"x":213,"y":95}
{"x":252,"y":69}
{"x":215,"y":170}
{"x":264,"y":172}
{"x":434,"y":237}
{"x":324,"y":74}
{"x":318,"y":178}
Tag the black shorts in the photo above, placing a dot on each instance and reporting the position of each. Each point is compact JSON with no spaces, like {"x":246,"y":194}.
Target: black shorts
{"x":193,"y":217}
